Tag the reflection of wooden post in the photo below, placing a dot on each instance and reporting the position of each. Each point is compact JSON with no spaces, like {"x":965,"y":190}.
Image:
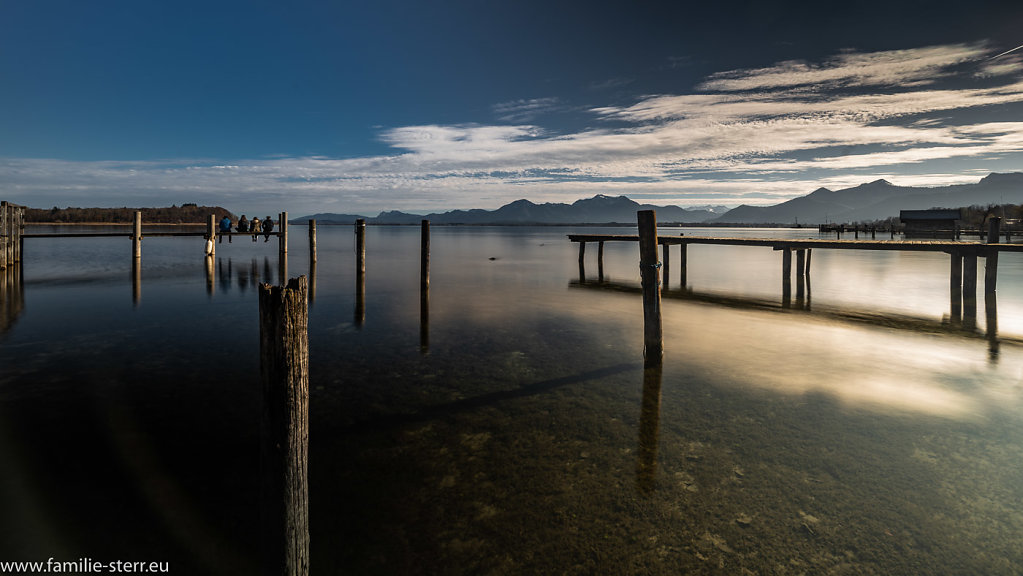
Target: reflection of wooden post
{"x":360,"y":272}
{"x":136,"y":237}
{"x":649,"y":420}
{"x":666,"y":265}
{"x":211,"y":280}
{"x":312,"y":241}
{"x":600,"y":261}
{"x":652,"y":337}
{"x":800,"y":275}
{"x":136,"y":281}
{"x":282,"y":238}
{"x":284,"y":428}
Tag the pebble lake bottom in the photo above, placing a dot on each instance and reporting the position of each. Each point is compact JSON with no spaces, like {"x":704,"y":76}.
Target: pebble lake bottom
{"x":513,"y":429}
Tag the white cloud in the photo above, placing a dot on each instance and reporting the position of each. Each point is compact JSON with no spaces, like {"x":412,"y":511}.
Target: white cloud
{"x":761,"y":136}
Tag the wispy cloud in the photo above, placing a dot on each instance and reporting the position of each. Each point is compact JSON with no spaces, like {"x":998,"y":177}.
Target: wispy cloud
{"x":757,"y":136}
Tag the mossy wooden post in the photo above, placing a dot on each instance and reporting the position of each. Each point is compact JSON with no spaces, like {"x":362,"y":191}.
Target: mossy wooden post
{"x":136,"y":237}
{"x":312,"y":242}
{"x":284,"y":427}
{"x":360,"y":272}
{"x":653,"y":343}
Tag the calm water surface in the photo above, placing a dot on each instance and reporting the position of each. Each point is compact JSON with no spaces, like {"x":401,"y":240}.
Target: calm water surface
{"x":512,"y":428}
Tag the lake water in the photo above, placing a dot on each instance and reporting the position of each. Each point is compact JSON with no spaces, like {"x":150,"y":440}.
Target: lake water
{"x":516,"y":431}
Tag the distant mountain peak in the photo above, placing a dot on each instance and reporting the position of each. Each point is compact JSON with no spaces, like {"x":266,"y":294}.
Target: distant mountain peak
{"x":879,"y":182}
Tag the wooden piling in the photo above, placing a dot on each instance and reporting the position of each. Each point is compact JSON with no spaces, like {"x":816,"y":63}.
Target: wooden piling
{"x":800,"y":275}
{"x":666,"y":266}
{"x":282,"y":237}
{"x":4,"y":234}
{"x":136,"y":236}
{"x":970,"y":290}
{"x":600,"y":261}
{"x":312,"y":241}
{"x":683,"y":264}
{"x":955,"y":287}
{"x":582,"y":261}
{"x":284,"y":427}
{"x":211,"y":235}
{"x":991,"y":259}
{"x":786,"y":276}
{"x":424,"y":256}
{"x":653,"y":344}
{"x":360,"y":272}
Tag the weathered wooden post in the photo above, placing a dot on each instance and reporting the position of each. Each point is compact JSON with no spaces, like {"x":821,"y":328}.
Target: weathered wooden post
{"x":786,"y":276}
{"x":991,"y":259}
{"x":600,"y":261}
{"x":666,"y":267}
{"x":282,"y":236}
{"x":800,"y":275}
{"x":970,"y":290}
{"x":653,"y":344}
{"x":955,"y":287}
{"x":4,"y":234}
{"x":360,"y":272}
{"x":284,"y":427}
{"x":136,"y":236}
{"x":683,"y":264}
{"x":211,"y":235}
{"x":312,"y":241}
{"x":424,"y":288}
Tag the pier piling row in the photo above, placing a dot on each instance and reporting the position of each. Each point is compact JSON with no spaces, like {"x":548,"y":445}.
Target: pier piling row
{"x":962,"y":281}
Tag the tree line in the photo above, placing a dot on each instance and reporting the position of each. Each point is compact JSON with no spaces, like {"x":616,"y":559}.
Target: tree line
{"x":184,"y":214}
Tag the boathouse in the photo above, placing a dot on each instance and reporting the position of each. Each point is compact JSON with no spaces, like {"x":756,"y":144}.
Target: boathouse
{"x":934,"y":223}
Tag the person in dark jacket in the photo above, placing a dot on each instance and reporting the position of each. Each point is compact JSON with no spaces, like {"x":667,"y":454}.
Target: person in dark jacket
{"x":225,"y":228}
{"x":268,"y":227}
{"x":243,"y":224}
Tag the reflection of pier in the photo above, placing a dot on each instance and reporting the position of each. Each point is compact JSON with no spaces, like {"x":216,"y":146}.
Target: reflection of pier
{"x":963,"y":276}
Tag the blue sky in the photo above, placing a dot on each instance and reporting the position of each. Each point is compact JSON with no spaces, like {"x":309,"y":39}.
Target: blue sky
{"x":359,"y":107}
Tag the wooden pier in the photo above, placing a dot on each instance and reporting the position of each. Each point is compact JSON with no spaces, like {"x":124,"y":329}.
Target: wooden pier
{"x":963,"y":259}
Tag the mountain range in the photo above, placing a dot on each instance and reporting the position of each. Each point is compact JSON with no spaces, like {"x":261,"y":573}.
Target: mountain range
{"x":875,"y":200}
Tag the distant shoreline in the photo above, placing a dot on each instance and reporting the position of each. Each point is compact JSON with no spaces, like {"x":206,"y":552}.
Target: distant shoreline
{"x":113,"y":223}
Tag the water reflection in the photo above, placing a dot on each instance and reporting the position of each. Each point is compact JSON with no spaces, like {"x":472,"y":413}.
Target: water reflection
{"x":649,"y":420}
{"x":12,"y":296}
{"x":136,"y":281}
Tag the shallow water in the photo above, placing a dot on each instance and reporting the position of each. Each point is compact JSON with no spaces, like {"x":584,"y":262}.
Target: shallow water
{"x":516,"y":431}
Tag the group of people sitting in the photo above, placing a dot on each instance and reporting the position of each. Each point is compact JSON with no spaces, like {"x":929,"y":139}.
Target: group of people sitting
{"x":255,"y":226}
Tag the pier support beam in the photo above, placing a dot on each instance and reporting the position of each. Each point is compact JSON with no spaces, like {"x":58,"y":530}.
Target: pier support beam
{"x":683,"y":265}
{"x":786,"y":277}
{"x":800,"y":276}
{"x":582,"y":262}
{"x":653,"y":343}
{"x":600,"y":261}
{"x":666,"y":265}
{"x":211,"y":235}
{"x":955,"y":287}
{"x":970,"y":290}
{"x":424,"y":288}
{"x":312,"y":242}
